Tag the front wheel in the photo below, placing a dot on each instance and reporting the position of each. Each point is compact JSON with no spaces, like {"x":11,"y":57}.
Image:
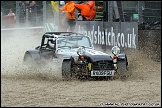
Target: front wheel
{"x":66,"y":70}
{"x":122,"y":70}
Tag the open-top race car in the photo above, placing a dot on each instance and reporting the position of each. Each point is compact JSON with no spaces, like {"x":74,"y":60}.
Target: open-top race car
{"x":78,"y":57}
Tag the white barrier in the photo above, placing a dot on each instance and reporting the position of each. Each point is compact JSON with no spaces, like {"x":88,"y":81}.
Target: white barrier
{"x":31,"y":30}
{"x":23,"y":28}
{"x":1,"y":20}
{"x":50,"y":27}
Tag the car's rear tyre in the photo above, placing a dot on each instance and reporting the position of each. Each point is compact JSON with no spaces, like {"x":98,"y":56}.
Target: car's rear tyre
{"x":29,"y":61}
{"x":66,"y":70}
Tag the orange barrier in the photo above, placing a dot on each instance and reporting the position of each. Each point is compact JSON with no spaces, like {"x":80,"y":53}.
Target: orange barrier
{"x":8,"y":21}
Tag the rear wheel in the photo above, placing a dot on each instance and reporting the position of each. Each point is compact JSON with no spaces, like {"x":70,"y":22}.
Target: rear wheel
{"x":66,"y":70}
{"x":29,"y":61}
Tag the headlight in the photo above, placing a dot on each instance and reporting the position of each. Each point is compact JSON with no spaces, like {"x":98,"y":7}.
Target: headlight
{"x":81,"y":51}
{"x":115,"y":50}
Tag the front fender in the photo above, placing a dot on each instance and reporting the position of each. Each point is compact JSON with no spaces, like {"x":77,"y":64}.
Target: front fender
{"x":122,"y":58}
{"x":65,"y":58}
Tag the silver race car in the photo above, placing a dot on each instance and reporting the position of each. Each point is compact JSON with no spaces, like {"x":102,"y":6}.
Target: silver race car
{"x":78,"y":57}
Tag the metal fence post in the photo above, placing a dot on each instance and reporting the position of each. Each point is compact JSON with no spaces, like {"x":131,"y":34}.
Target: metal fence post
{"x":116,"y":11}
{"x":140,"y":11}
{"x":44,"y":11}
{"x":36,"y":16}
{"x":58,"y":23}
{"x":17,"y":13}
{"x":1,"y":20}
{"x":27,"y":17}
{"x":110,"y":11}
{"x":105,"y":12}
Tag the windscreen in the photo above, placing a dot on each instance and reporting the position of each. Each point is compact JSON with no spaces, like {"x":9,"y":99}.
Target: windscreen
{"x":74,"y":41}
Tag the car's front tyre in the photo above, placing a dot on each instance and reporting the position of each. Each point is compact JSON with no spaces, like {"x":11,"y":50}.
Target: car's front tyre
{"x":66,"y":70}
{"x":122,"y":70}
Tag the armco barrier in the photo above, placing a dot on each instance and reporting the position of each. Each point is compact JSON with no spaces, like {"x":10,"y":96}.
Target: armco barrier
{"x":29,"y":30}
{"x":48,"y":27}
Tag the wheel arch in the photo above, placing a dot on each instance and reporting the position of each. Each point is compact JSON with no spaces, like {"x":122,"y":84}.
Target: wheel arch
{"x":122,"y":58}
{"x":67,"y":58}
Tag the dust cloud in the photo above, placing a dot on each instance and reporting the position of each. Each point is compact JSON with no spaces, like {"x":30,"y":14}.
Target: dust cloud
{"x":13,"y":47}
{"x":23,"y":87}
{"x":14,"y":43}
